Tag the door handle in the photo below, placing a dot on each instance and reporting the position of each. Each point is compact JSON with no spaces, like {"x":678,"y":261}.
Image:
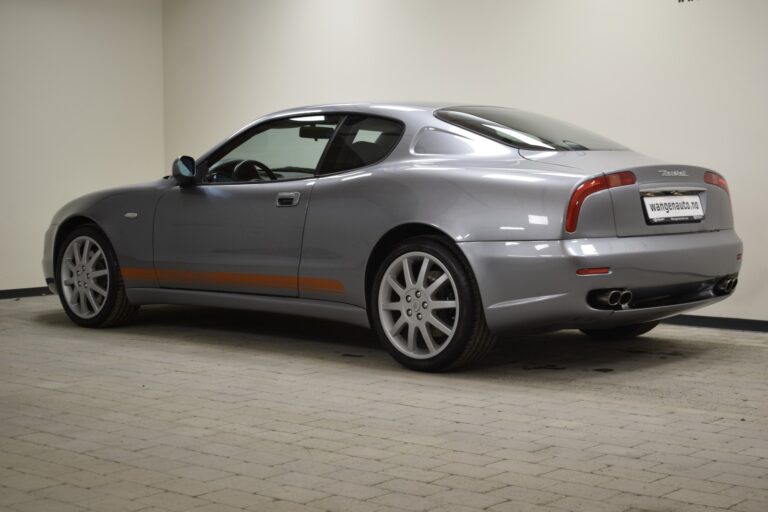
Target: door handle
{"x":287,"y":198}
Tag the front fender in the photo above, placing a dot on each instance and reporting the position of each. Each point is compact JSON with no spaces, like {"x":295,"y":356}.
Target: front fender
{"x":131,"y":236}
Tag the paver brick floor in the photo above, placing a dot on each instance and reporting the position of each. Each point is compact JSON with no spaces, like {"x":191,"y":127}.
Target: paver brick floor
{"x":217,"y":410}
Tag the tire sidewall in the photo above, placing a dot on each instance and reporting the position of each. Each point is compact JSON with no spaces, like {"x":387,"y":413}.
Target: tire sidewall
{"x":112,"y":266}
{"x":467,"y":305}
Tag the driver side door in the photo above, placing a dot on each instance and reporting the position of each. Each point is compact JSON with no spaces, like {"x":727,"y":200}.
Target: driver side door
{"x":240,"y":228}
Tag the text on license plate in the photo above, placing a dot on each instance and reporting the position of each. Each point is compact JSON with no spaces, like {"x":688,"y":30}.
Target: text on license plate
{"x":660,"y":209}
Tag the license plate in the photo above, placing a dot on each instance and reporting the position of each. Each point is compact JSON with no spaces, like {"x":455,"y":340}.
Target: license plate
{"x":660,"y":209}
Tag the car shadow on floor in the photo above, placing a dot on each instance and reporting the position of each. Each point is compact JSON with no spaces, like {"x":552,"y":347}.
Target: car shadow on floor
{"x":571,"y":351}
{"x":564,"y":353}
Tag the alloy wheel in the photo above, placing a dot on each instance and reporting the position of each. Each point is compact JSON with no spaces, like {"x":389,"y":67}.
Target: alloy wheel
{"x":84,"y":277}
{"x":418,"y":305}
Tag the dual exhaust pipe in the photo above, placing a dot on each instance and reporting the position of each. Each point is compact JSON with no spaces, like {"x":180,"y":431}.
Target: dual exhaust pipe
{"x":618,"y":299}
{"x":614,"y":298}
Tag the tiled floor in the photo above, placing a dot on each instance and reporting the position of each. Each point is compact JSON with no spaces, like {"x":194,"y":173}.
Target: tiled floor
{"x":196,"y":409}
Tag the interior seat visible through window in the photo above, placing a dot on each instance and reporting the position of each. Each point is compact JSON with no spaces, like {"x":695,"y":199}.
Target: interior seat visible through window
{"x":361,"y":141}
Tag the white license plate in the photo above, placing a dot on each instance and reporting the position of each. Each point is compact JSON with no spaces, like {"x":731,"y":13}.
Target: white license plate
{"x":659,"y":209}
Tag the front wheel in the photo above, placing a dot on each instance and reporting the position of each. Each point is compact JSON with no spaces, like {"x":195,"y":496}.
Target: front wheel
{"x":89,"y":282}
{"x":426,"y":308}
{"x":623,"y":332}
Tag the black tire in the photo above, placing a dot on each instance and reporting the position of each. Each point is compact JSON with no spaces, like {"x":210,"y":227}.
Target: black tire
{"x":116,"y":309}
{"x":623,"y":332}
{"x":471,"y":340}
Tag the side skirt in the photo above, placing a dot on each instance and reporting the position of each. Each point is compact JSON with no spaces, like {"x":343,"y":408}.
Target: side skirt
{"x":294,"y":306}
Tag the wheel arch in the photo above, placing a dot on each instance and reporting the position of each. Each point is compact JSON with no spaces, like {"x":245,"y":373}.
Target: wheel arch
{"x":477,"y":338}
{"x":66,"y":227}
{"x":116,"y":309}
{"x":393,"y":237}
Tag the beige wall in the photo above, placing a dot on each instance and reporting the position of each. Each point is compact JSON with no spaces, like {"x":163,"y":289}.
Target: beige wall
{"x":81,"y":109}
{"x":684,"y":82}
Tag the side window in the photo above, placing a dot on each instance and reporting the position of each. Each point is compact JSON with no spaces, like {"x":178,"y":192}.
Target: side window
{"x":286,"y":149}
{"x":360,"y":141}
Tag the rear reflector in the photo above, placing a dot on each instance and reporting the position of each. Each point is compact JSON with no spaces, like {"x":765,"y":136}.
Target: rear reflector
{"x":620,"y":179}
{"x":738,"y":257}
{"x":586,"y":188}
{"x":593,"y":271}
{"x":715,"y":179}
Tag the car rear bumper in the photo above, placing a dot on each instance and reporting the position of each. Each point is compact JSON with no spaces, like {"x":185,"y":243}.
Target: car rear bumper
{"x":533,"y":285}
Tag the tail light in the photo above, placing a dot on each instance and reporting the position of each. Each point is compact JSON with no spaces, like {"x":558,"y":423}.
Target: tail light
{"x":589,"y":187}
{"x":715,"y":179}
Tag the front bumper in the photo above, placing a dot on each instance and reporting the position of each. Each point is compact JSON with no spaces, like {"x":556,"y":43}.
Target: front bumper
{"x":533,"y":285}
{"x":47,"y":262}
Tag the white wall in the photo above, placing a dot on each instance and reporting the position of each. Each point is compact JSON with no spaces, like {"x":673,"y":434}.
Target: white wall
{"x":85,"y":88}
{"x":81,"y":109}
{"x":685,"y":82}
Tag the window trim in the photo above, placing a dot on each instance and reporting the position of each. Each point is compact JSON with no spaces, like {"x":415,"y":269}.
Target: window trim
{"x":202,"y":164}
{"x":330,"y":144}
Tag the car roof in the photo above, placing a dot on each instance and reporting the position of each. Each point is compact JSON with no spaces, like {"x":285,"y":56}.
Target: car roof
{"x":411,"y":112}
{"x":373,"y":106}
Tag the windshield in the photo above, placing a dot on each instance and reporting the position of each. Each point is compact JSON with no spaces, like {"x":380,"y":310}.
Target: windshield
{"x":524,"y":130}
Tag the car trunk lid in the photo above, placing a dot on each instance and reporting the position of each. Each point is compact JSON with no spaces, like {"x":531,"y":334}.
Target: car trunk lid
{"x":662,"y":201}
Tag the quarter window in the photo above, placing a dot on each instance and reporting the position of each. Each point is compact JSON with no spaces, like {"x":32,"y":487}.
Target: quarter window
{"x":360,"y":141}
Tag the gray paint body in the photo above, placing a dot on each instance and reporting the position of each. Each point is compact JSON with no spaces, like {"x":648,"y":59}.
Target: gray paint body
{"x":504,"y":208}
{"x":230,"y":228}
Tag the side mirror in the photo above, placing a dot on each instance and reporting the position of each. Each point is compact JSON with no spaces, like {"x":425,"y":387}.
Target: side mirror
{"x":183,"y":170}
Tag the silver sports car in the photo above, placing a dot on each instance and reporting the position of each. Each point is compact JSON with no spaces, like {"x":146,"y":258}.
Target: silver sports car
{"x":443,"y":227}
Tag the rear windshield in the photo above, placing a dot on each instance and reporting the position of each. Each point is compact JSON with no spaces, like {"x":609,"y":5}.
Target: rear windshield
{"x":523,"y":130}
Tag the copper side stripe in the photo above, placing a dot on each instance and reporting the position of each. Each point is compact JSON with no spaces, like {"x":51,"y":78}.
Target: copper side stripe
{"x":189,"y":276}
{"x":138,"y":274}
{"x":320,"y":284}
{"x":233,"y":278}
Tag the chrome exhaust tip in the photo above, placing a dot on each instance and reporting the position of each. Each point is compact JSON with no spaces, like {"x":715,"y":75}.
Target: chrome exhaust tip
{"x":626,"y":298}
{"x":726,"y":285}
{"x":610,"y":298}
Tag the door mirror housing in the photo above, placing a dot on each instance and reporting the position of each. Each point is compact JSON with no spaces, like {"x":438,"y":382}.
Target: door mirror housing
{"x":183,"y":170}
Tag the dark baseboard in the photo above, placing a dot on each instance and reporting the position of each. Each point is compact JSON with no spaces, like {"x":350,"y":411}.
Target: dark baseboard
{"x":715,"y":322}
{"x":737,"y":324}
{"x":24,"y":292}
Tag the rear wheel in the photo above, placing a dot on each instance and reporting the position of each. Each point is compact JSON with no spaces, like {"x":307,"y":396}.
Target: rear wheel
{"x":623,"y":332}
{"x":89,"y":282}
{"x":426,"y":308}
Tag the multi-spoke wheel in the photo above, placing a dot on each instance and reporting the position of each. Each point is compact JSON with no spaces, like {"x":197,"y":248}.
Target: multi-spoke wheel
{"x":84,"y":277}
{"x":418,"y":305}
{"x":89,"y":282}
{"x":426,"y":309}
